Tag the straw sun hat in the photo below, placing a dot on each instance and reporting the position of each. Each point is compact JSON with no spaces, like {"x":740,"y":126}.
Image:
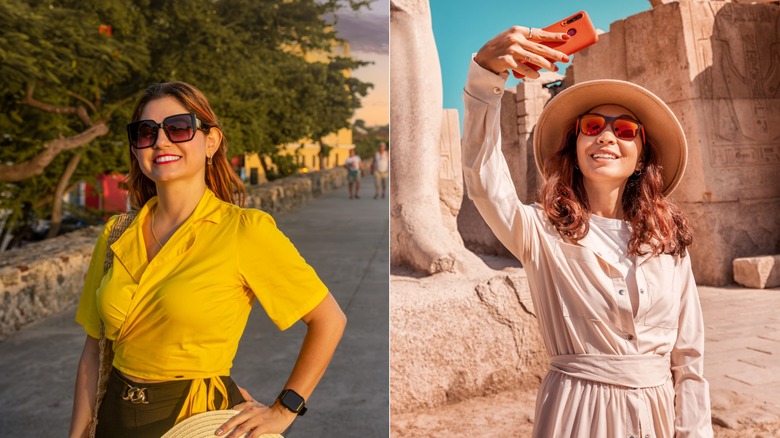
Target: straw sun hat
{"x":203,"y":425}
{"x":660,"y":123}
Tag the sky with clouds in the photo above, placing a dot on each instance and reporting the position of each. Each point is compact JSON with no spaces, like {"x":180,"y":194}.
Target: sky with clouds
{"x":367,"y":32}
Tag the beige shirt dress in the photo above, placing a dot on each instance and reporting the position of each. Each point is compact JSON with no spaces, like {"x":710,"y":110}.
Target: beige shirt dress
{"x":625,"y":335}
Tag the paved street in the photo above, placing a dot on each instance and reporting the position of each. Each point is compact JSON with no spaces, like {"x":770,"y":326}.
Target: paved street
{"x":742,"y":355}
{"x":346,"y":241}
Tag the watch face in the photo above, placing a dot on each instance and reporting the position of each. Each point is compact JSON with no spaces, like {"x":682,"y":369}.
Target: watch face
{"x":291,"y":400}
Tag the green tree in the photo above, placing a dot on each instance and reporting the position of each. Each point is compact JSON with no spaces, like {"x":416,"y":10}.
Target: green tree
{"x":367,"y":138}
{"x":330,"y":107}
{"x":70,"y":71}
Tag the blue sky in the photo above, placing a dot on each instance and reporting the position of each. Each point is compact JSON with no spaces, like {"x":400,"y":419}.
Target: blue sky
{"x":460,"y":30}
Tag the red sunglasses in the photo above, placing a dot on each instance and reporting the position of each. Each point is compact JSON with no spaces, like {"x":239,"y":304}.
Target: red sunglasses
{"x":624,"y":127}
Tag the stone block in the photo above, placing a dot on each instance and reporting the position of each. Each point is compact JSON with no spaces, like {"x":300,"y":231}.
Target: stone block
{"x":454,"y":338}
{"x":737,"y":100}
{"x":723,"y":232}
{"x":757,"y":272}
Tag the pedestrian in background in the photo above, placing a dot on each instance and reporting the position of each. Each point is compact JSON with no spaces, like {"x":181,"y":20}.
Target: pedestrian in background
{"x":605,"y":250}
{"x":381,"y":166}
{"x":354,"y":166}
{"x":182,"y":279}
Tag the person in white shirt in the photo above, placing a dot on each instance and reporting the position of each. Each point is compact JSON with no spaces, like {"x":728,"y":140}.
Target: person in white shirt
{"x":604,"y":249}
{"x":354,"y":166}
{"x":381,"y":167}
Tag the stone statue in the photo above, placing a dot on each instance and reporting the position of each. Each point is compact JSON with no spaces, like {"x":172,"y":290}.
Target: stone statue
{"x":418,"y":237}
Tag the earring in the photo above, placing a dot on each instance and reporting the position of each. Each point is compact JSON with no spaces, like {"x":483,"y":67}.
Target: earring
{"x":210,"y":161}
{"x":637,"y":172}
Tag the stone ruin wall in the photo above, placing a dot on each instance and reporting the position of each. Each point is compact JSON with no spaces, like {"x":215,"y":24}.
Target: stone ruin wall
{"x":717,"y":65}
{"x":46,"y":277}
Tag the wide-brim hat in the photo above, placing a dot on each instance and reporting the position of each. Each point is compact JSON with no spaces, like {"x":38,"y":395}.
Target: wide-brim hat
{"x":661,"y":125}
{"x":204,"y":425}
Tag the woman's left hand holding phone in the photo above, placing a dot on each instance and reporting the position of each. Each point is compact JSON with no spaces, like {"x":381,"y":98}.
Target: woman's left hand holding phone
{"x":519,"y":45}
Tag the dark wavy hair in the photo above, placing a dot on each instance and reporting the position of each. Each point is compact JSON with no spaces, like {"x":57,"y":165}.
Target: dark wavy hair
{"x":655,"y":220}
{"x":220,"y":176}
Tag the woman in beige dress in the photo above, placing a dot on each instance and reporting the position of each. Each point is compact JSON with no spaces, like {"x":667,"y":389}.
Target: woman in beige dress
{"x":604,"y":249}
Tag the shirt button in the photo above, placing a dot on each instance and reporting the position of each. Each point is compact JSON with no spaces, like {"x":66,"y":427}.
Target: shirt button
{"x":496,"y":90}
{"x":641,"y":291}
{"x":630,"y":337}
{"x":622,"y":292}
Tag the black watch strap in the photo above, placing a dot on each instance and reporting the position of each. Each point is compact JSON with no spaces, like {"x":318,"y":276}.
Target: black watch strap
{"x":292,"y":401}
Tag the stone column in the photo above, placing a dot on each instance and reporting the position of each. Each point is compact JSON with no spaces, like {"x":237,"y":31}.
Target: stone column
{"x":418,"y":238}
{"x":717,"y":65}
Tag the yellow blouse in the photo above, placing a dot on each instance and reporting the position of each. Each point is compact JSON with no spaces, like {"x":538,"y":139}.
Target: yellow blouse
{"x":181,"y":315}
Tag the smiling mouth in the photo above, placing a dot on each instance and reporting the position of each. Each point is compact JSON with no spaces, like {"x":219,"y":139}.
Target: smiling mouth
{"x":166,"y":159}
{"x":605,"y":156}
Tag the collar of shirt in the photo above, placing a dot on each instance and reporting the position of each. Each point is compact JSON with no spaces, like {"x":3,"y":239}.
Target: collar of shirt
{"x":590,"y":242}
{"x":133,"y":256}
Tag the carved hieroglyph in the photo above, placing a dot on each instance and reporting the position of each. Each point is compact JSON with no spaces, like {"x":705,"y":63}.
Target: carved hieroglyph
{"x":418,"y":236}
{"x":744,"y":81}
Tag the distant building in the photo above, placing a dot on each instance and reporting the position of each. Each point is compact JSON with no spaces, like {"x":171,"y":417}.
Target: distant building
{"x":108,"y":195}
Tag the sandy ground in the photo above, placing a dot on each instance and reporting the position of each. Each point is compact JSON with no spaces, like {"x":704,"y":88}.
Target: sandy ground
{"x":510,"y":414}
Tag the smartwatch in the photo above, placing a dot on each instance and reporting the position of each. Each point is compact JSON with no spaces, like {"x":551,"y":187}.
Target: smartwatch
{"x":292,"y":401}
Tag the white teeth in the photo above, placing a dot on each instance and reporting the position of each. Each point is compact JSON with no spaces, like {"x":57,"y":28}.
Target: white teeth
{"x":609,"y":156}
{"x":166,"y":158}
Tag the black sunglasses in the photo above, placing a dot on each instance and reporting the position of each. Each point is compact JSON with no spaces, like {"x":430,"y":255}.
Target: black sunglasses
{"x":179,"y":128}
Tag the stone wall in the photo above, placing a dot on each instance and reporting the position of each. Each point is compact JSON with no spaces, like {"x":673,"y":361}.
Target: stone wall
{"x":46,"y":277}
{"x":43,"y":278}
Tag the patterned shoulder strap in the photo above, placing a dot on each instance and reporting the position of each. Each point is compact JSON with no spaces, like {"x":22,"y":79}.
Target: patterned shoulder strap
{"x":119,"y":228}
{"x":106,"y":356}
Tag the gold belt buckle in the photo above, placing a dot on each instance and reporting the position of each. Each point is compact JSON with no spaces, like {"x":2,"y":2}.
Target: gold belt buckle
{"x":135,"y":395}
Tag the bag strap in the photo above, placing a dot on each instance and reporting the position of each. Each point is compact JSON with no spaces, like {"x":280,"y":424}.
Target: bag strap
{"x":106,"y":357}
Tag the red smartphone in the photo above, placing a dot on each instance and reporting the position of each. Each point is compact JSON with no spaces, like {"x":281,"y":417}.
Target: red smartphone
{"x":581,"y":34}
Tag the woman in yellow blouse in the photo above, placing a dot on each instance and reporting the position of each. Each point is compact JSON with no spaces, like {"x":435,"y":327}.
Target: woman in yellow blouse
{"x":185,"y":273}
{"x":605,"y":250}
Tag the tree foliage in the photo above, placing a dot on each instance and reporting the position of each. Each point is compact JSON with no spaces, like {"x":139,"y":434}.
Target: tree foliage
{"x":71,"y":70}
{"x":367,"y":138}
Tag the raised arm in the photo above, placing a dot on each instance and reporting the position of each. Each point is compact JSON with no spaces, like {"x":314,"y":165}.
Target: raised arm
{"x":485,"y":170}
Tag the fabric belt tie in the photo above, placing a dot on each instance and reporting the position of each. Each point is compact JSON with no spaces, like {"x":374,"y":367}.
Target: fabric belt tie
{"x":637,"y":371}
{"x":201,"y":397}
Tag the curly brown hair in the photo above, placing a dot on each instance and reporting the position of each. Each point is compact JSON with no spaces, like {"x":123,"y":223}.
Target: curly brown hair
{"x":220,"y":176}
{"x":656,"y":221}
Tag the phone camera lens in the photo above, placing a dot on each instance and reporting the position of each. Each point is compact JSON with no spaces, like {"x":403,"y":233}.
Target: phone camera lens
{"x":571,"y":31}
